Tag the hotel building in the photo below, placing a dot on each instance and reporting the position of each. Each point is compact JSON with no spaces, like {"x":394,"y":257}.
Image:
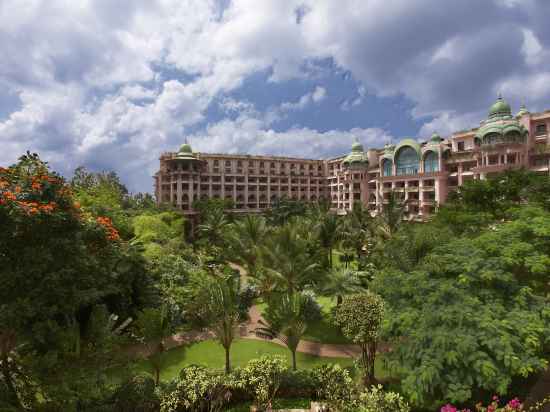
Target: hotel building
{"x":424,"y":173}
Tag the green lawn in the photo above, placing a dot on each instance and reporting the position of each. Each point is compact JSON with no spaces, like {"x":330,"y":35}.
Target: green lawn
{"x":209,"y":353}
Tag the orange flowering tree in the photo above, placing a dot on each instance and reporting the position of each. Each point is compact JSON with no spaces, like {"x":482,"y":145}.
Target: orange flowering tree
{"x":57,"y":264}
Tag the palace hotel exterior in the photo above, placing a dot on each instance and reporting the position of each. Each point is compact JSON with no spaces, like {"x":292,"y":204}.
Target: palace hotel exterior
{"x":424,"y":173}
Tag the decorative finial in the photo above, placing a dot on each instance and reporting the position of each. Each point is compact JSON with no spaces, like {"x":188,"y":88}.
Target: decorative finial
{"x":499,"y":96}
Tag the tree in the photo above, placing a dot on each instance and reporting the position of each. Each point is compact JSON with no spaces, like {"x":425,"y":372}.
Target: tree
{"x":287,"y":264}
{"x":245,"y":239}
{"x":286,"y":321}
{"x":153,"y":326}
{"x":221,"y":310}
{"x":391,"y":217}
{"x":213,"y":227}
{"x":360,"y":318}
{"x":454,"y":318}
{"x":341,"y":282}
{"x":328,"y":232}
{"x":56,"y":264}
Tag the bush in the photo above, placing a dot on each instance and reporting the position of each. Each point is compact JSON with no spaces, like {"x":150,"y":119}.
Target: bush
{"x":136,"y":394}
{"x":376,"y":400}
{"x":197,"y":389}
{"x":262,"y":378}
{"x":312,"y":309}
{"x":332,"y":383}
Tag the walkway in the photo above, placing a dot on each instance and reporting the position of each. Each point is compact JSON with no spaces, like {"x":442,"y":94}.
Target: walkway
{"x":308,"y":347}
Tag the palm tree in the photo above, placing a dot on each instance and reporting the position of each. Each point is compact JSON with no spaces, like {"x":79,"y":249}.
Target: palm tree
{"x":153,"y":326}
{"x":222,"y":311}
{"x":328,"y":232}
{"x":287,"y":264}
{"x":357,"y":230}
{"x":392,"y":216}
{"x":245,"y":237}
{"x":285,"y":320}
{"x":213,"y":227}
{"x":341,"y":282}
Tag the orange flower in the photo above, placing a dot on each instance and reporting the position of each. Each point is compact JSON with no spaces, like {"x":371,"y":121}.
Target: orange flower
{"x":10,"y":196}
{"x":36,"y":186}
{"x":17,"y":189}
{"x":77,"y":205}
{"x":3,"y":184}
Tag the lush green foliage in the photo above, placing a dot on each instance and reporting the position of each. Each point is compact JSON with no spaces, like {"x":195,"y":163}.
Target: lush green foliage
{"x":360,"y":318}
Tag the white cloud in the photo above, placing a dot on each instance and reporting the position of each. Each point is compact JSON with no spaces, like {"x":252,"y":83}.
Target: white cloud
{"x":314,"y":97}
{"x":248,"y":135}
{"x":113,"y":83}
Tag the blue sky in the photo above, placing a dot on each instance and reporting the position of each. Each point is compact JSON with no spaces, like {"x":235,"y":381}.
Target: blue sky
{"x":111,"y":85}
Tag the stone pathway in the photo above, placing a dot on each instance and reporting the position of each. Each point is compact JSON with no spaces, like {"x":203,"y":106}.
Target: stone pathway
{"x":539,"y":391}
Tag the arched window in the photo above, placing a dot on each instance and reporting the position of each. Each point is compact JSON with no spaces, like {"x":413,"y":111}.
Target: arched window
{"x":407,"y":161}
{"x":387,"y":167}
{"x":431,"y":163}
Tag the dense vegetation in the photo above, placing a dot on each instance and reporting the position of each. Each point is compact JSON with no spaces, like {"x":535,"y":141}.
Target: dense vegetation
{"x":96,"y":281}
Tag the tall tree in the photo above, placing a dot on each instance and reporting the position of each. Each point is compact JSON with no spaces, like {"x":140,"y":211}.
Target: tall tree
{"x":153,"y":326}
{"x":286,"y":320}
{"x":329,"y":233}
{"x":391,"y":217}
{"x":245,"y":239}
{"x":286,"y":260}
{"x":360,"y":318}
{"x":220,"y":309}
{"x":474,"y":312}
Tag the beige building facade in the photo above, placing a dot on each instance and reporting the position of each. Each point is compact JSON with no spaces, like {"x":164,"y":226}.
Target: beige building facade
{"x":423,"y":173}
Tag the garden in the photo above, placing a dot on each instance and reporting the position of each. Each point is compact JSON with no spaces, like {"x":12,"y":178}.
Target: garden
{"x":113,"y":303}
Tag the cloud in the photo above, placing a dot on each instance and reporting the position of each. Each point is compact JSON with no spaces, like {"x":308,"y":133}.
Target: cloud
{"x":251,"y":135}
{"x":314,"y":97}
{"x":112,"y":84}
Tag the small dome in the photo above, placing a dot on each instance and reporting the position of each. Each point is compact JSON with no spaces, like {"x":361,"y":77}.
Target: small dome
{"x":522,"y":111}
{"x":435,"y":138}
{"x":356,"y":147}
{"x":185,"y":148}
{"x":500,"y":108}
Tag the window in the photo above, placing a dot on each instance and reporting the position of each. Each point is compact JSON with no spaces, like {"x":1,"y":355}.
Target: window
{"x":407,"y":161}
{"x":540,"y":130}
{"x":387,"y":167}
{"x":431,"y":163}
{"x":460,"y":146}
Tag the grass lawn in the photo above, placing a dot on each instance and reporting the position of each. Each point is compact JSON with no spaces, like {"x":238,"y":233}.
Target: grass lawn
{"x":209,"y":353}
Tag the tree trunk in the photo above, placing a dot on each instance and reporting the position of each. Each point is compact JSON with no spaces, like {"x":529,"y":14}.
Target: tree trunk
{"x":157,"y":375}
{"x":368,"y":354}
{"x":294,"y":360}
{"x":227,"y":364}
{"x":339,"y":300}
{"x":9,"y":383}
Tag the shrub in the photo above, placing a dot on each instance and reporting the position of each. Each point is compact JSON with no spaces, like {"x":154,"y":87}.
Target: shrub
{"x":197,"y":389}
{"x":137,"y":394}
{"x":332,"y":383}
{"x":376,"y":400}
{"x":262,"y":377}
{"x":312,"y":309}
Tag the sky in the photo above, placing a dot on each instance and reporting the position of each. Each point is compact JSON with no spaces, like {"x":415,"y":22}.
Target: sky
{"x":110,"y":85}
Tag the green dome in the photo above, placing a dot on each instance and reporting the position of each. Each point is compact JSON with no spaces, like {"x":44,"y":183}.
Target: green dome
{"x":522,"y":111}
{"x":356,"y":147}
{"x":357,"y":157}
{"x":435,"y":138}
{"x":500,"y":108}
{"x":185,"y":148}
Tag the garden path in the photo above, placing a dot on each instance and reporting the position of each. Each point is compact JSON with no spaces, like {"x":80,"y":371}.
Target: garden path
{"x":308,"y":347}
